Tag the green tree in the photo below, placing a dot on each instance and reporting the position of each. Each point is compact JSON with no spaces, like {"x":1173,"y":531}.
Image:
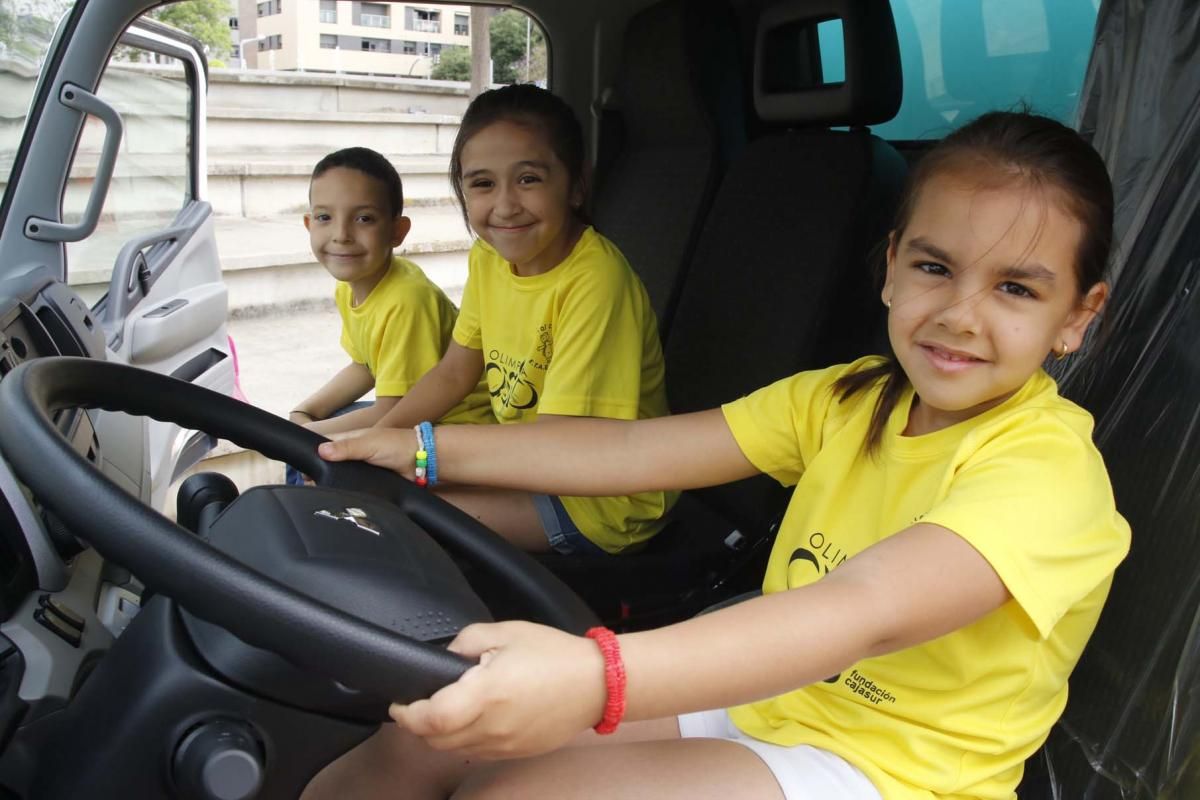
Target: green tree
{"x":508,"y":37}
{"x":454,"y":64}
{"x":25,"y":31}
{"x":207,"y":20}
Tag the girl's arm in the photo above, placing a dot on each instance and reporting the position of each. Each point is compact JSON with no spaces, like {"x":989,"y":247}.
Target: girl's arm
{"x":568,"y":456}
{"x":355,"y":420}
{"x":439,"y":390}
{"x":537,"y":687}
{"x":349,"y":384}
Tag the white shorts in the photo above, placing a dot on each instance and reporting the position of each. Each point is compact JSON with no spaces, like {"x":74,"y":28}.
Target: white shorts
{"x":803,"y":772}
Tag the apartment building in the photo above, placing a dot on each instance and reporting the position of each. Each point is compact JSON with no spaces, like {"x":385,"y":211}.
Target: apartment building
{"x":347,"y":35}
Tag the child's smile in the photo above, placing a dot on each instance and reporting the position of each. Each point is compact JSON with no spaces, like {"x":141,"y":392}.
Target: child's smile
{"x":948,"y":359}
{"x":982,"y":288}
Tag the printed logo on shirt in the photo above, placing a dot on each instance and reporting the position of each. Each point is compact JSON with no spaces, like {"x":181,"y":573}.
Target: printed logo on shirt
{"x":511,"y":384}
{"x":810,"y":563}
{"x":862,"y":685}
{"x":546,"y":342}
{"x":814,"y":561}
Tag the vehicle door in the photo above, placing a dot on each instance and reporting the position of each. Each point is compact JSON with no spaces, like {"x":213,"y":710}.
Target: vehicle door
{"x":107,"y":188}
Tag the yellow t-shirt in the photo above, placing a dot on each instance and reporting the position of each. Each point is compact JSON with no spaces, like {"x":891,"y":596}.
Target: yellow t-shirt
{"x":400,"y":331}
{"x":580,"y":340}
{"x":1025,"y":486}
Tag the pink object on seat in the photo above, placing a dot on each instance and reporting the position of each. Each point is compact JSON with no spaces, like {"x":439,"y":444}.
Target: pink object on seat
{"x":237,"y":372}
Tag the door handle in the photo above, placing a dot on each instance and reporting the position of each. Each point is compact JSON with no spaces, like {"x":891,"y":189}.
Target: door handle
{"x":132,"y":278}
{"x":45,"y":230}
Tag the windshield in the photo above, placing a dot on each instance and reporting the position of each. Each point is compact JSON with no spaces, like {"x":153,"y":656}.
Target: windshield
{"x":26,"y":32}
{"x":961,"y":59}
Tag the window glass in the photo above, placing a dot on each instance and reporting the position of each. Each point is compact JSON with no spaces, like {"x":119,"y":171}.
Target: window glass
{"x":375,"y":15}
{"x":26,"y":31}
{"x":151,"y":179}
{"x":1015,"y":27}
{"x":829,"y":36}
{"x":962,"y":58}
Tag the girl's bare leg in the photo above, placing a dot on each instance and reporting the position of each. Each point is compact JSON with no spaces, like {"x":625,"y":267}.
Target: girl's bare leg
{"x":644,"y":759}
{"x":677,"y":769}
{"x":395,"y":764}
{"x":509,"y":513}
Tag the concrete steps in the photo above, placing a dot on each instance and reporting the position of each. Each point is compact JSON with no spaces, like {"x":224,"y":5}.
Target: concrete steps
{"x":256,"y":185}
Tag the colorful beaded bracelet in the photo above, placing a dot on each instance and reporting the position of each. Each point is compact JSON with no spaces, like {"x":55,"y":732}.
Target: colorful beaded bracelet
{"x":425,"y":473}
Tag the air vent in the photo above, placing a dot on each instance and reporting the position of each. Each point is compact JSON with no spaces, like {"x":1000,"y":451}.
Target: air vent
{"x":63,"y":337}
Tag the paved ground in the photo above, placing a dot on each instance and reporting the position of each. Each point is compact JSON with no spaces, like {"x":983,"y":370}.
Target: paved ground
{"x":285,"y":357}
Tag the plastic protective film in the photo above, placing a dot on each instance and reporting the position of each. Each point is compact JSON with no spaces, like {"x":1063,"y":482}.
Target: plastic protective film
{"x":1132,"y":725}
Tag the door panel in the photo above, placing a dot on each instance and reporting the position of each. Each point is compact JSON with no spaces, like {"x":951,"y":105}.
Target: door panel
{"x":166,"y":304}
{"x":112,"y":170}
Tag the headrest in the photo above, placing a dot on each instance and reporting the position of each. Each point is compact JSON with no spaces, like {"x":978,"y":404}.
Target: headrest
{"x":668,"y":78}
{"x":786,"y":88}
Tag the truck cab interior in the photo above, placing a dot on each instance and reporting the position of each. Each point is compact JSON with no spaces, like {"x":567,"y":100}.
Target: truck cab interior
{"x":748,"y":156}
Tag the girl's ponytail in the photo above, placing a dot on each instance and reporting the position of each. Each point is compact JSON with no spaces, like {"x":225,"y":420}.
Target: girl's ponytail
{"x":894,"y":383}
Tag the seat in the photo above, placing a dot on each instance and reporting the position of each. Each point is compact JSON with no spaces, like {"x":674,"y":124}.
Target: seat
{"x":779,"y":282}
{"x":1131,"y":726}
{"x":672,"y":121}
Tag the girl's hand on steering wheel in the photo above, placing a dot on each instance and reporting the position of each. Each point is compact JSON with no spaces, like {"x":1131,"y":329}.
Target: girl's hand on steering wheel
{"x":533,"y":690}
{"x":390,"y":448}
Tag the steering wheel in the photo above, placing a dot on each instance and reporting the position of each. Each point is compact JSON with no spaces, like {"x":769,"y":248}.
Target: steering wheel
{"x":217,"y":588}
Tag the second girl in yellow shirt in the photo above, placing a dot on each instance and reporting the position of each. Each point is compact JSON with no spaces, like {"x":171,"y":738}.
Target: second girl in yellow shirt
{"x":552,"y":315}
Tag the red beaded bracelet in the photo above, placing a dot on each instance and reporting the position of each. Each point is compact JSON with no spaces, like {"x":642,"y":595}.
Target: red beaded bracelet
{"x":614,"y":679}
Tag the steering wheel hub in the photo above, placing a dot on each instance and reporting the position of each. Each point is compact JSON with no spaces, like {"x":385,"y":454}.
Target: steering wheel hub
{"x":354,"y":552}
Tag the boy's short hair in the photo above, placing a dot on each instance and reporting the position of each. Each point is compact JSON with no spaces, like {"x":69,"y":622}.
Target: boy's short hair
{"x":370,"y":163}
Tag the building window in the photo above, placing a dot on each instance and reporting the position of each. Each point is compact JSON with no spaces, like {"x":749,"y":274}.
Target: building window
{"x":233,"y":23}
{"x":424,"y":20}
{"x":462,"y":25}
{"x":375,"y":15}
{"x":328,"y":11}
{"x":377,"y":45}
{"x":274,"y":42}
{"x":270,"y":7}
{"x":408,"y":48}
{"x":329,"y":41}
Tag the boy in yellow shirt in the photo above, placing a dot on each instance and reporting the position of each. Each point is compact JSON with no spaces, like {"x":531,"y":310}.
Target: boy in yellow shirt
{"x":396,"y":323}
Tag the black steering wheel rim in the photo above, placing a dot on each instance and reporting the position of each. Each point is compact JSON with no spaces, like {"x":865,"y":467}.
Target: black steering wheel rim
{"x":214,"y":586}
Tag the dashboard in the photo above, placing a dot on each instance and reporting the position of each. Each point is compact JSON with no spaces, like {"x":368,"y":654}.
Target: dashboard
{"x":40,"y":316}
{"x":49,"y":583}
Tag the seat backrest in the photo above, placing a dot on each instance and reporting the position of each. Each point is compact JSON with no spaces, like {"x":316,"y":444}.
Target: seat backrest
{"x":679,"y":115}
{"x":780,"y":281}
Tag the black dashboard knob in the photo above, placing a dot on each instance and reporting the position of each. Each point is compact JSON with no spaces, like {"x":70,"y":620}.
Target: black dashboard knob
{"x":219,"y":760}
